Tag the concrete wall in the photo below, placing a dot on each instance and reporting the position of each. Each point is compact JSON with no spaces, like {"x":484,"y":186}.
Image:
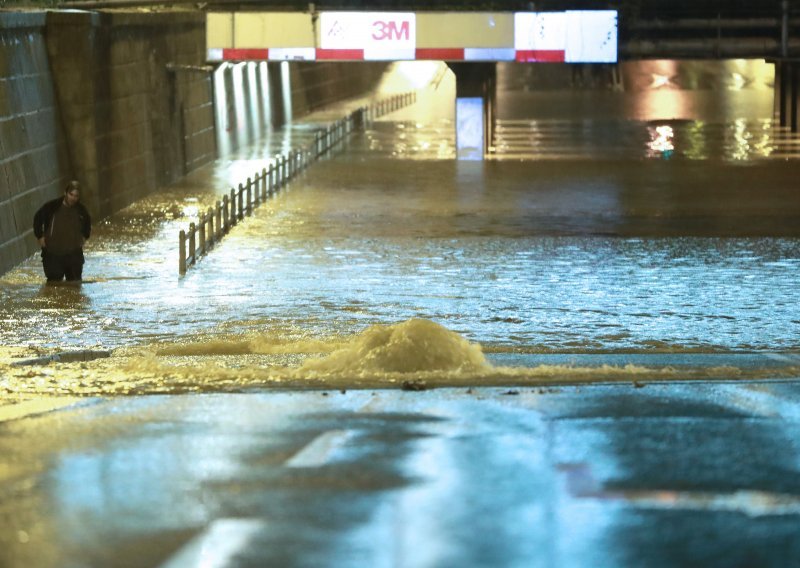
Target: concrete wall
{"x":121,"y":101}
{"x":33,"y":158}
{"x":316,"y":85}
{"x":118,"y":101}
{"x":137,"y":107}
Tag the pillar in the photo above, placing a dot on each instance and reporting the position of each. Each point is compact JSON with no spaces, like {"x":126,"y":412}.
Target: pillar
{"x":475,"y":100}
{"x":793,"y":93}
{"x":783,"y":83}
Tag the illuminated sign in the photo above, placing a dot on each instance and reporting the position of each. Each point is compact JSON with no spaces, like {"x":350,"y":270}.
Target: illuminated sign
{"x":380,"y":35}
{"x":573,"y":36}
{"x":576,"y":36}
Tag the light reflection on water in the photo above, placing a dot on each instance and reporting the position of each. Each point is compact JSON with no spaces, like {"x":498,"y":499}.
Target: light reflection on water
{"x":661,"y":109}
{"x":740,"y":140}
{"x":597,"y":250}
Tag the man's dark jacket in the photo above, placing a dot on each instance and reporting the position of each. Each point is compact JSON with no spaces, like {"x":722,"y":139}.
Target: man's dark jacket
{"x":43,"y":217}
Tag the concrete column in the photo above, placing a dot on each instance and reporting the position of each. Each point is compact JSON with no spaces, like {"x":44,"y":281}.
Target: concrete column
{"x":776,"y":91}
{"x":72,"y":46}
{"x":276,"y":95}
{"x":793,"y":93}
{"x":783,"y":92}
{"x":475,"y":100}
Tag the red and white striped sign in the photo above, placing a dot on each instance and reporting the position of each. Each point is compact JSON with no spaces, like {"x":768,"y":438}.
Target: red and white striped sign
{"x":388,"y":36}
{"x":573,"y":36}
{"x":312,"y":54}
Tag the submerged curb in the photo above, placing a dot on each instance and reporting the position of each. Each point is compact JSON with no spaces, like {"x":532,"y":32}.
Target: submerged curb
{"x":64,"y":357}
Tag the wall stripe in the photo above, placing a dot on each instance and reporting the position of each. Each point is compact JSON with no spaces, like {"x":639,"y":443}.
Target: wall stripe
{"x":340,"y":54}
{"x":234,"y":54}
{"x":440,"y":53}
{"x":421,"y":54}
{"x":540,"y":55}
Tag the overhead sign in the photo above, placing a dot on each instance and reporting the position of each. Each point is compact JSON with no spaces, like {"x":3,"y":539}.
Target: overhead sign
{"x":379,"y":35}
{"x":575,"y":36}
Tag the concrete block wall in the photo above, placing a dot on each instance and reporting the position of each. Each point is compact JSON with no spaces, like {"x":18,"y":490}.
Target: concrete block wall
{"x":316,"y":85}
{"x":34,"y":165}
{"x":120,"y":101}
{"x":137,"y":102}
{"x":123,"y":102}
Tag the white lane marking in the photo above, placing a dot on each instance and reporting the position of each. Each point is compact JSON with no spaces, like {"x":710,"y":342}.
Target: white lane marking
{"x":217,"y":546}
{"x":756,"y":400}
{"x":320,"y":450}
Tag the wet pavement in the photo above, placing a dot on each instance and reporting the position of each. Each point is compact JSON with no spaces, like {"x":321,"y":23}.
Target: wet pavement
{"x":614,"y":382}
{"x":601,"y":475}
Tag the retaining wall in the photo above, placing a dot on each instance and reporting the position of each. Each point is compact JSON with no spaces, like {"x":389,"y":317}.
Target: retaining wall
{"x":121,"y":101}
{"x":33,"y":160}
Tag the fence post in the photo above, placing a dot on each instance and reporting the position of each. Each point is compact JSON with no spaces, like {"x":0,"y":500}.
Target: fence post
{"x":211,"y":231}
{"x":218,"y":234}
{"x":202,"y":233}
{"x":240,"y":209}
{"x":249,"y":209}
{"x":233,"y":207}
{"x":192,"y":246}
{"x":182,"y":252}
{"x":264,"y":188}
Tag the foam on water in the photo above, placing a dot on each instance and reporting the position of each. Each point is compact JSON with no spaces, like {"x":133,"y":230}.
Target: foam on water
{"x":413,"y":346}
{"x":416,"y":352}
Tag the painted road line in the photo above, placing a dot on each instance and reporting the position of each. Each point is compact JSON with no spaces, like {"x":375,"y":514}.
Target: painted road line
{"x":218,"y":545}
{"x":758,"y":400}
{"x":321,"y":449}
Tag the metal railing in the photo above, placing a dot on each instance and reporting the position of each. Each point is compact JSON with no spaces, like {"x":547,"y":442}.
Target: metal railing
{"x":217,"y":221}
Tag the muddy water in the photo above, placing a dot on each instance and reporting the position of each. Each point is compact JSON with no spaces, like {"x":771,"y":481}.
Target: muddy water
{"x":612,"y":230}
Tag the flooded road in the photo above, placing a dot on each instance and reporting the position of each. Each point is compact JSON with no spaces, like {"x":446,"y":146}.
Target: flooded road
{"x":609,"y":226}
{"x":538,"y":477}
{"x":607,"y":309}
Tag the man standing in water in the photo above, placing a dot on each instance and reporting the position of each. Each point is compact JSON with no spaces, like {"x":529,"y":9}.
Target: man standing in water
{"x":61,"y":226}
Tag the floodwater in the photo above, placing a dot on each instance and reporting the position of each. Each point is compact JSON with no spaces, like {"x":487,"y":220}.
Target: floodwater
{"x":645,"y":229}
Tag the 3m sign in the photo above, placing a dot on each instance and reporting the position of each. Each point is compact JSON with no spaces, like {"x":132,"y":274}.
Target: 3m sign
{"x":573,"y":36}
{"x":367,"y":35}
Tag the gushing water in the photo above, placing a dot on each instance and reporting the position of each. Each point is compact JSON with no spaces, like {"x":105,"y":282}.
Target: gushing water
{"x":588,"y":250}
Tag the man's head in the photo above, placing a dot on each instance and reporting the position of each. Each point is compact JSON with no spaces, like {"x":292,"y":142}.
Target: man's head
{"x":72,"y":193}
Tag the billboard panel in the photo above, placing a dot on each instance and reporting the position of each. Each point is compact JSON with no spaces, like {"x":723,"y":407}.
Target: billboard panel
{"x":591,"y":36}
{"x":381,"y":35}
{"x":575,"y":36}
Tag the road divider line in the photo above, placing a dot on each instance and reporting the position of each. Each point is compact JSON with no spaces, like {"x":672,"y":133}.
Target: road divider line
{"x":320,"y":450}
{"x":218,"y":545}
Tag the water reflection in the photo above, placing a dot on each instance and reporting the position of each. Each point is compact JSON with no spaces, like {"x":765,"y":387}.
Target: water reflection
{"x":661,"y":140}
{"x":703,"y":110}
{"x":589,"y":242}
{"x":64,"y":296}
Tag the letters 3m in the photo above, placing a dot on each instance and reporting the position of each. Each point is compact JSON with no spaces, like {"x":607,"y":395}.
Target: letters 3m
{"x":388,"y":31}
